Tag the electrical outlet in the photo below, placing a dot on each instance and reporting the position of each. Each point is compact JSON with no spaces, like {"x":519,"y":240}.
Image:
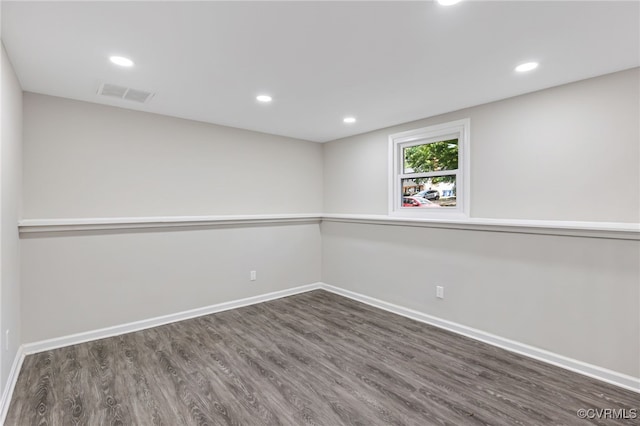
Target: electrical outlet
{"x":440,"y":292}
{"x":253,"y":276}
{"x":6,"y":340}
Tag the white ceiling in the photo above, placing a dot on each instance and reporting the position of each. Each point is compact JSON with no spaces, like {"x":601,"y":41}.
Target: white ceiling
{"x":382,"y":62}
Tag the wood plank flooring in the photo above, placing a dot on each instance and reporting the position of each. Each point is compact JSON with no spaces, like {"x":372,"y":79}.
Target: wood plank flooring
{"x":314,"y":358}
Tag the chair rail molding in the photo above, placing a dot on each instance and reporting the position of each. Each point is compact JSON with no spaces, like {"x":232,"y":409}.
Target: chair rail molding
{"x":610,"y":230}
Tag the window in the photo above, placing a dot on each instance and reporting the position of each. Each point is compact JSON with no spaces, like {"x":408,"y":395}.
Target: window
{"x":429,"y":171}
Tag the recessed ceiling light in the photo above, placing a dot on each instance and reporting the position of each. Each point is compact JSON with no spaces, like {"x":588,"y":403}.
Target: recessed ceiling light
{"x":122,"y":61}
{"x":527,"y":66}
{"x":349,"y":120}
{"x":448,"y":2}
{"x":263,"y":98}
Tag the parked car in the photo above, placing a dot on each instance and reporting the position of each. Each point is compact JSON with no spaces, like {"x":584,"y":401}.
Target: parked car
{"x":417,"y":202}
{"x":430,"y":194}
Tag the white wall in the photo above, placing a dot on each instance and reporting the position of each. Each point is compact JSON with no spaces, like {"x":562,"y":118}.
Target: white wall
{"x":83,"y":282}
{"x":568,"y":153}
{"x":577,"y":297}
{"x":84,"y":160}
{"x":88,"y":160}
{"x":10,"y":187}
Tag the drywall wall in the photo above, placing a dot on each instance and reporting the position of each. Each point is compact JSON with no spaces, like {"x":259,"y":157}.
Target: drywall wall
{"x":82,"y":282}
{"x":565,"y":153}
{"x":570,"y":153}
{"x":517,"y":286}
{"x":577,"y":297}
{"x":84,"y":160}
{"x":88,"y":160}
{"x":10,"y":195}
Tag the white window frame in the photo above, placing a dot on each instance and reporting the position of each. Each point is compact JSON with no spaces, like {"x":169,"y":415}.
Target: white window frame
{"x":459,"y":129}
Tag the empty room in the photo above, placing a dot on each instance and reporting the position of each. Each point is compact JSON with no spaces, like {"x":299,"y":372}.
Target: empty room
{"x":320,"y":212}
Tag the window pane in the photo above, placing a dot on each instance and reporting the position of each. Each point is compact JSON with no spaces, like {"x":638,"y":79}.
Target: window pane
{"x":440,"y":191}
{"x":431,"y":157}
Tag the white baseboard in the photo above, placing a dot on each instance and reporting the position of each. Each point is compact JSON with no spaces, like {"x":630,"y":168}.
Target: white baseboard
{"x":603,"y":374}
{"x":117,"y":330}
{"x":590,"y":370}
{"x":11,"y":384}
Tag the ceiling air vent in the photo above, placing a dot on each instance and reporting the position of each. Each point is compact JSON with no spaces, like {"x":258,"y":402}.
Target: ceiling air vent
{"x":126,"y":93}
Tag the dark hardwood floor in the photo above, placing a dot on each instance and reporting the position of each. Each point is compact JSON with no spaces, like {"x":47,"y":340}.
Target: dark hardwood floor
{"x":314,"y":358}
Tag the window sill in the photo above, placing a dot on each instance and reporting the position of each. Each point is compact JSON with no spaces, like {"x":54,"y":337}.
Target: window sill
{"x":437,"y":215}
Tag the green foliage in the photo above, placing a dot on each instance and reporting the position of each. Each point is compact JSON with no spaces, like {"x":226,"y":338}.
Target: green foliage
{"x":433,"y":157}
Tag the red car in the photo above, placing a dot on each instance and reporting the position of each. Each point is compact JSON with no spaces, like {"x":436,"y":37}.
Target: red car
{"x":417,"y":202}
